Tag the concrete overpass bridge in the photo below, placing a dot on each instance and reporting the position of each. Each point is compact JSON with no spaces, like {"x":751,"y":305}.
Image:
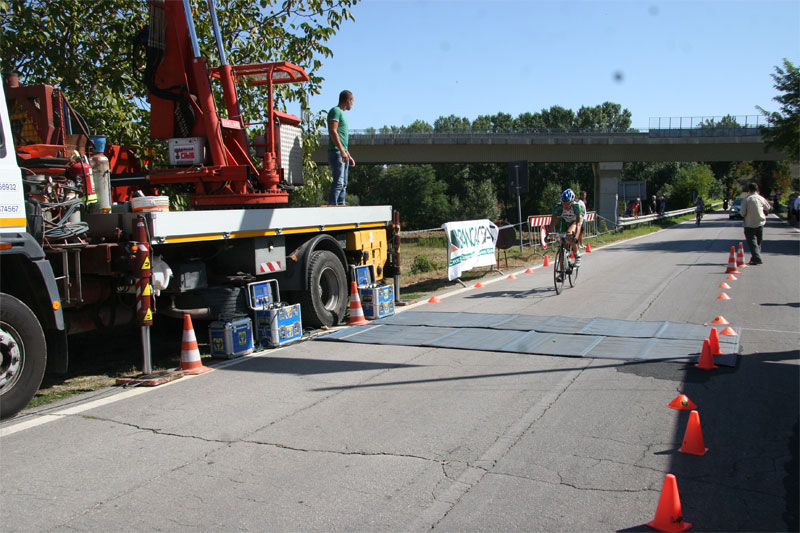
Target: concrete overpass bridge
{"x":607,"y":151}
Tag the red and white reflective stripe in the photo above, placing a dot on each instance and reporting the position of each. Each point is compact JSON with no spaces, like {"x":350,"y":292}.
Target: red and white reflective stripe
{"x":270,"y":266}
{"x":540,"y":220}
{"x":590,"y":216}
{"x":144,"y":246}
{"x":139,"y":284}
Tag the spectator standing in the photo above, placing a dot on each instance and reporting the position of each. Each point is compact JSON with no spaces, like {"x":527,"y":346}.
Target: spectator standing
{"x":338,"y":156}
{"x":652,"y":206}
{"x":637,"y":206}
{"x":754,"y":213}
{"x":662,"y":205}
{"x":582,"y":202}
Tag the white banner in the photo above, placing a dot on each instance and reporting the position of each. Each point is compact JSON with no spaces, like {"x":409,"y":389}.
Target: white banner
{"x":470,"y":244}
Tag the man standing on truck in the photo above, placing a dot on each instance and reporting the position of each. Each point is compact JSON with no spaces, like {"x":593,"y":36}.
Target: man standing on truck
{"x":338,"y":156}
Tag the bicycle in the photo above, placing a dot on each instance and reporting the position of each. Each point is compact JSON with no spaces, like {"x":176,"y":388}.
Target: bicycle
{"x":563,"y":267}
{"x":699,"y":217}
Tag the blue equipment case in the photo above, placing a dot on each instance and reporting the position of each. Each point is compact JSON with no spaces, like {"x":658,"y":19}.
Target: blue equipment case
{"x":276,"y":323}
{"x":377,"y":299}
{"x":231,"y":338}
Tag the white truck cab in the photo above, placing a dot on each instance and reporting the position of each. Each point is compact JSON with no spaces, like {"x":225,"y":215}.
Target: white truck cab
{"x":31,"y":319}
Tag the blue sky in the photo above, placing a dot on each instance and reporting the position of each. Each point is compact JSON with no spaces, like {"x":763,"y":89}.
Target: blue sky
{"x":406,"y":60}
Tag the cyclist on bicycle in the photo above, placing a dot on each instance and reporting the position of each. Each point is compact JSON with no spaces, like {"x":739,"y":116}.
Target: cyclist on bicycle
{"x":699,"y":207}
{"x":567,"y":218}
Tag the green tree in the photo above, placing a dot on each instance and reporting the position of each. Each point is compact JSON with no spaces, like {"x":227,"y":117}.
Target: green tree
{"x":418,"y":126}
{"x":694,"y":179}
{"x":726,"y":122}
{"x":558,"y":118}
{"x":419,"y":196}
{"x":482,"y":124}
{"x":784,"y":131}
{"x":529,"y":122}
{"x":451,"y":124}
{"x":502,"y":122}
{"x":604,"y":117}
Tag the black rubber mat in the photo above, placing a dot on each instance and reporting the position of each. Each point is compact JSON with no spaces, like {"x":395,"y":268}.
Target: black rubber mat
{"x":545,"y":335}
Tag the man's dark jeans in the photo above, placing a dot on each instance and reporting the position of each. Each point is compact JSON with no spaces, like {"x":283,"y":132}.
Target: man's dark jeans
{"x":339,"y":169}
{"x":754,"y":237}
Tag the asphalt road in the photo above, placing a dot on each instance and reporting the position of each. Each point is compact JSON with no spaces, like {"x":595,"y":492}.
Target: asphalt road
{"x":323,"y":436}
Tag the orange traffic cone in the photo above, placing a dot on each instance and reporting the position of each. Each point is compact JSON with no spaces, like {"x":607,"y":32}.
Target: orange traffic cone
{"x":479,"y":285}
{"x":434,"y":300}
{"x":724,"y":285}
{"x":713,"y":340}
{"x":511,"y":276}
{"x":719,"y":320}
{"x":669,"y":516}
{"x":706,"y":359}
{"x":682,"y":403}
{"x":732,"y":262}
{"x":729,"y":331}
{"x":588,"y":247}
{"x":732,"y":277}
{"x":723,"y":296}
{"x":356,"y":312}
{"x":693,"y":438}
{"x":740,"y":256}
{"x":546,"y":261}
{"x":190,"y":354}
{"x":529,"y":270}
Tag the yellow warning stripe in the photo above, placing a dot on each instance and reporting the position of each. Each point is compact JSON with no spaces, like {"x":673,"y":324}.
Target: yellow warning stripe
{"x":271,"y":232}
{"x":8,"y":222}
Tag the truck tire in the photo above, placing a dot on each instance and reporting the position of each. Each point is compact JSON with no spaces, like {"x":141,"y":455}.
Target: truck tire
{"x":23,"y":355}
{"x":325,"y":301}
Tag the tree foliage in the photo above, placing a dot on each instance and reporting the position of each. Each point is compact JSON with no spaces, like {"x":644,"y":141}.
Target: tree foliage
{"x":784,"y":131}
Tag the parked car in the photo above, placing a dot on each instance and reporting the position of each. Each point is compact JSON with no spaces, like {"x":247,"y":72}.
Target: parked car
{"x":733,"y":212}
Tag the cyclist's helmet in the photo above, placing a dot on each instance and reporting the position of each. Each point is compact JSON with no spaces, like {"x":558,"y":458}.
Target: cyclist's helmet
{"x":567,"y":196}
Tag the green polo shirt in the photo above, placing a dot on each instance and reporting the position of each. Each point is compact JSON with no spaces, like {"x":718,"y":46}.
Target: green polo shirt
{"x":337,"y":114}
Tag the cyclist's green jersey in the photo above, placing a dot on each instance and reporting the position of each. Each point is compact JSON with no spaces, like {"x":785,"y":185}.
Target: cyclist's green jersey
{"x":566,"y":218}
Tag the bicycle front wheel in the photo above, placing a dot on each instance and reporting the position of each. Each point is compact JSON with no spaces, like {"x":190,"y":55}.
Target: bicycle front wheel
{"x":558,"y":270}
{"x":573,"y":275}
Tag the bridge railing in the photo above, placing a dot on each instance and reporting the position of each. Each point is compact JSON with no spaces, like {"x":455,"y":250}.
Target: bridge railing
{"x":703,"y":126}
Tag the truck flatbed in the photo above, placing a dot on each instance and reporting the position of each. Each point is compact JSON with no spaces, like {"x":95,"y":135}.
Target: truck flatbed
{"x":192,"y":226}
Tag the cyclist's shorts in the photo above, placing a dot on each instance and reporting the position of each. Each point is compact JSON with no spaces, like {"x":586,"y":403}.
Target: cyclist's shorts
{"x":563,"y":225}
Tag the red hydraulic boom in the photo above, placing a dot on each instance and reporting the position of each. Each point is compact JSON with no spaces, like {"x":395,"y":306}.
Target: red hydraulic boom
{"x":183,"y":107}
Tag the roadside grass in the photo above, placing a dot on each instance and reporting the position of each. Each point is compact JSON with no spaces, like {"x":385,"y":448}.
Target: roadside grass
{"x":90,"y":371}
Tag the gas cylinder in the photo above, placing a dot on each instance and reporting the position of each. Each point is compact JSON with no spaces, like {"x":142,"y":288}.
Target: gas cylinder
{"x":101,"y":173}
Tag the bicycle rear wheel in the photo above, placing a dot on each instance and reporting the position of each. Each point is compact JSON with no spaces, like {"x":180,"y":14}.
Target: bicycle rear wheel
{"x":558,"y":270}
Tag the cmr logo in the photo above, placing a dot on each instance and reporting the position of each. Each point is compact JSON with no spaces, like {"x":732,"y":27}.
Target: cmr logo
{"x":472,"y":237}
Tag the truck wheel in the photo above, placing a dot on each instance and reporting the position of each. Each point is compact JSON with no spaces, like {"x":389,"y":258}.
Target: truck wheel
{"x":325,"y":301}
{"x":23,"y":355}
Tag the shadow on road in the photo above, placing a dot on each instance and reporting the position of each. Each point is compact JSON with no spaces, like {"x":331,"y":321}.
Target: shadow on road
{"x":748,"y":414}
{"x":779,"y":238}
{"x":305,"y":367}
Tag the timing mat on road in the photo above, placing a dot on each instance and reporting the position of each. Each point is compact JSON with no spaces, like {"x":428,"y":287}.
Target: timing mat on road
{"x":605,"y":338}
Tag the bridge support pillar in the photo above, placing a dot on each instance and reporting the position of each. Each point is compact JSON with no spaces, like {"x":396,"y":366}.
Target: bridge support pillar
{"x":606,"y":182}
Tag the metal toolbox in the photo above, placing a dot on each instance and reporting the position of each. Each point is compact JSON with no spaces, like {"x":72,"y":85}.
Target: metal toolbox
{"x":231,"y":338}
{"x":276,"y":323}
{"x":377,"y":299}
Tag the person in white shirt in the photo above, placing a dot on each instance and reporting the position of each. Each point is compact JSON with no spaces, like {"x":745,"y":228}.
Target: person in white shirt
{"x":754,"y":213}
{"x":582,"y":202}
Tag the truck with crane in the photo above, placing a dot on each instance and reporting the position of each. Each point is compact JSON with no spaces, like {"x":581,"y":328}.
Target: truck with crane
{"x":89,"y":243}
